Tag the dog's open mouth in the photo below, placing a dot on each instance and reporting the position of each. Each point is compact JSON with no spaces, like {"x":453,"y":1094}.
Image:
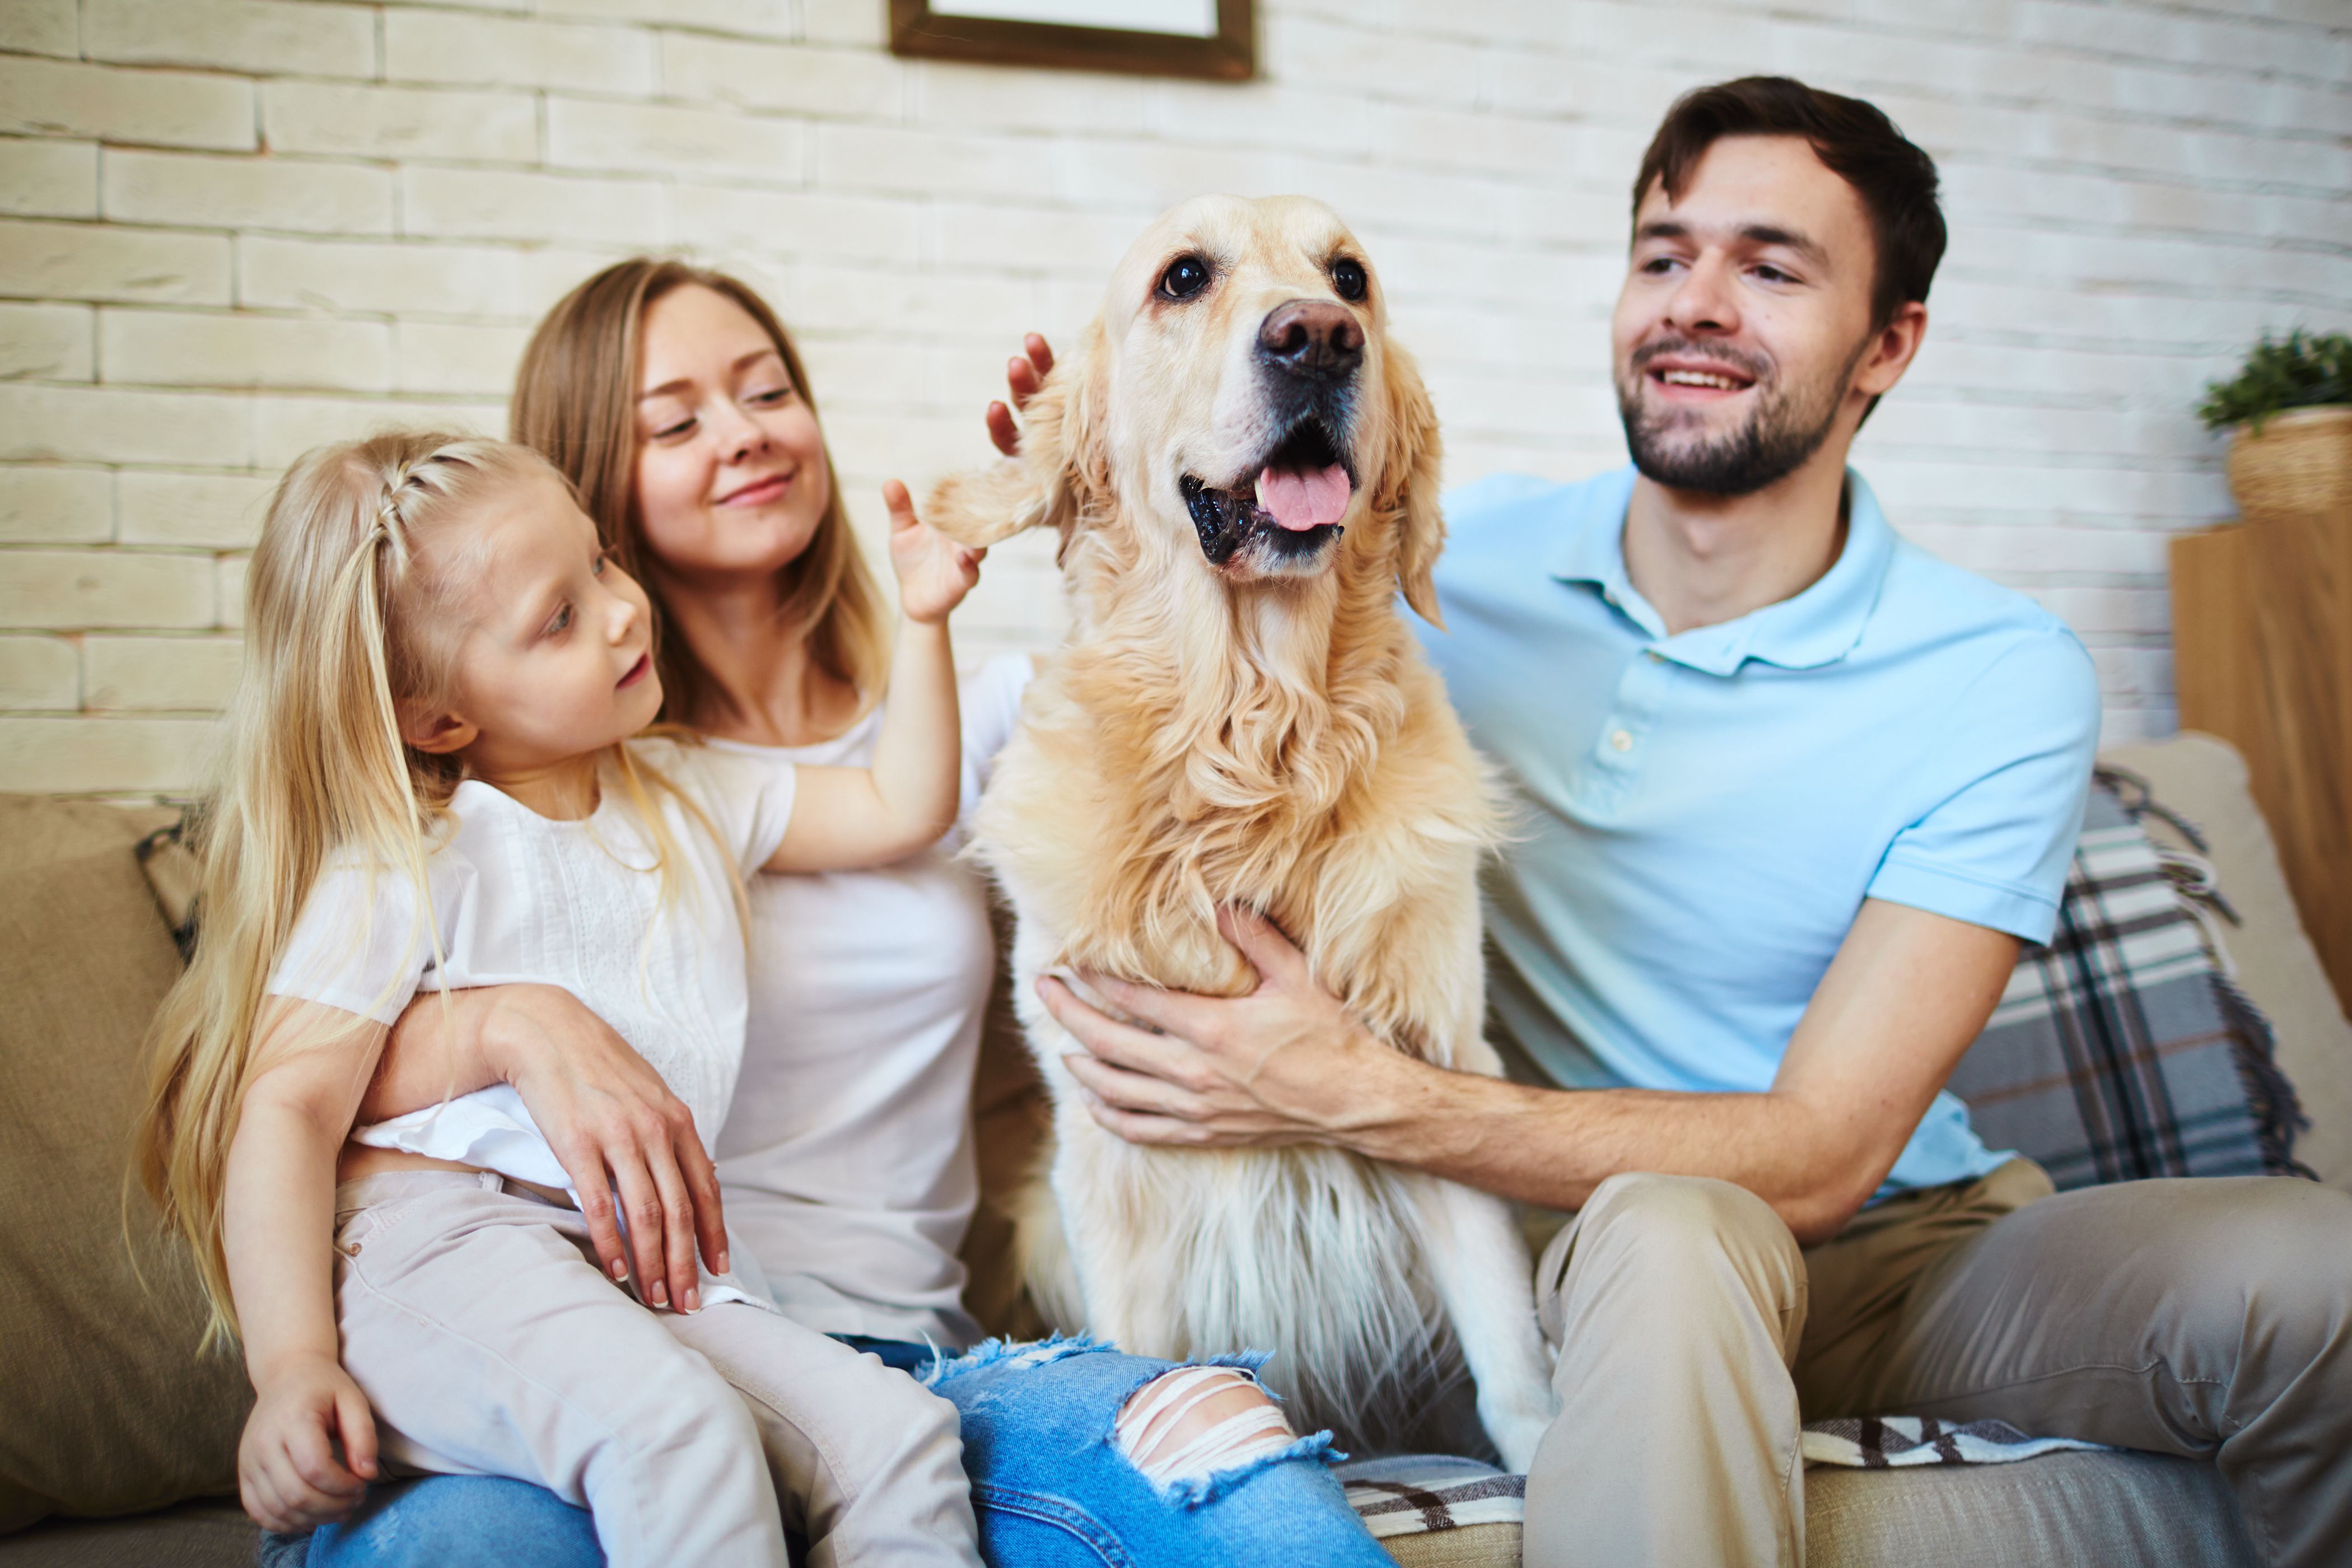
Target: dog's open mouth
{"x":1292,"y":509}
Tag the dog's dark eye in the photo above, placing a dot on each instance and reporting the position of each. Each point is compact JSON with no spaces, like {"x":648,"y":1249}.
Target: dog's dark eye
{"x":1348,"y":276}
{"x":1186,"y":275}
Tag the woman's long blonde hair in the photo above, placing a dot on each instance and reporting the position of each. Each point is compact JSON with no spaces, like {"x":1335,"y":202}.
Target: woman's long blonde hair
{"x":338,"y":630}
{"x":576,"y":401}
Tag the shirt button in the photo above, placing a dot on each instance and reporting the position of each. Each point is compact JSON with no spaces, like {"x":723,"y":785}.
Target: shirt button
{"x":1619,"y":741}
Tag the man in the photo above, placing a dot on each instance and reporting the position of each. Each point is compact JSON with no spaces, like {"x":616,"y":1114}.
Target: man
{"x":1792,"y":793}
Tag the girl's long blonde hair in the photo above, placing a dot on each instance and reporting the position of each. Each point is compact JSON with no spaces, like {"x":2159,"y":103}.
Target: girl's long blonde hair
{"x":576,"y":401}
{"x":338,"y":630}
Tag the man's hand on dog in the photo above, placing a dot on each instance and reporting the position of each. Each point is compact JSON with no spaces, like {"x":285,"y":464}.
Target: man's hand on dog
{"x":1286,"y":1064}
{"x":1023,"y":374}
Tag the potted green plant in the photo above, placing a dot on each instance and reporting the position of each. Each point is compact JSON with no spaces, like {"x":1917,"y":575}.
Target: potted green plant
{"x":2291,"y":407}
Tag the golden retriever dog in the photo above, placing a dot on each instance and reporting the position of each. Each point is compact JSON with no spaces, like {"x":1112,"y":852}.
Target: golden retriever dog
{"x":1242,"y":471}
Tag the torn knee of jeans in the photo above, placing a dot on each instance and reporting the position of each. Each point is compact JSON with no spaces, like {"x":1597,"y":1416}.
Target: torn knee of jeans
{"x":1193,"y":1423}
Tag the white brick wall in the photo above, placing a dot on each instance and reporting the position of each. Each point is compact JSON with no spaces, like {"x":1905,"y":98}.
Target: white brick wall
{"x":231,"y":229}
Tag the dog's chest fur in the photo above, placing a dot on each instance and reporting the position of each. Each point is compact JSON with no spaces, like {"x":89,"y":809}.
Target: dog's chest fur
{"x":1127,"y":810}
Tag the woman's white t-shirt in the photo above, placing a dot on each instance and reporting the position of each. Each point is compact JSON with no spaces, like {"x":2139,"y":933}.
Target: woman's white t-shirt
{"x":847,"y":1159}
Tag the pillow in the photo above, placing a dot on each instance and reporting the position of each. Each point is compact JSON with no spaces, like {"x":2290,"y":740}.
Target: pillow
{"x":107,"y":1407}
{"x":2121,"y":1050}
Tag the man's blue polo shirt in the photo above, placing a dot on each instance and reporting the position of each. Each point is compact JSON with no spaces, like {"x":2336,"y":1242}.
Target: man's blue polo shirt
{"x":1702,"y":815}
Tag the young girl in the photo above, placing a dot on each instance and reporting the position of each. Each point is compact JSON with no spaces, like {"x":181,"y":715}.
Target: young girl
{"x":430,"y":785}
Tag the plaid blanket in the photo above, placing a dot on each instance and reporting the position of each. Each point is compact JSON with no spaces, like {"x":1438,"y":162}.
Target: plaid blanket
{"x":2122,"y":1049}
{"x":1408,"y":1494}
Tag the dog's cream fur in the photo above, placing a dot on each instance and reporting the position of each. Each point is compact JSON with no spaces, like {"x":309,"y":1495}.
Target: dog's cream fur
{"x":1224,"y":735}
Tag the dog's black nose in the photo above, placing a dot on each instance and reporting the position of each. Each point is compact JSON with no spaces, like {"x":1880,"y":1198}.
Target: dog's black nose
{"x":1313,"y":338}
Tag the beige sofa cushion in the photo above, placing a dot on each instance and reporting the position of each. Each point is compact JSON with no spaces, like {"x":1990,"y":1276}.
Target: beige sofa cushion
{"x":108,"y":1408}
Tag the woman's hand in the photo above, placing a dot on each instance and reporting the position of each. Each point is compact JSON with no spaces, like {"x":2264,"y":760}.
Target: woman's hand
{"x":1286,"y":1064}
{"x":934,"y":571}
{"x":1023,"y":374}
{"x":616,"y":1126}
{"x":286,"y":1472}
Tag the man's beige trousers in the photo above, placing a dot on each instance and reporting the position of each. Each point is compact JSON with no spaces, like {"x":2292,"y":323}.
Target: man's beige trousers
{"x":2210,"y":1318}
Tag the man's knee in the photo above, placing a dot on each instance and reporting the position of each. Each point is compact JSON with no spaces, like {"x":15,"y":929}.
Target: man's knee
{"x":1678,"y":1218}
{"x":2269,"y":1257}
{"x":1674,"y":1249}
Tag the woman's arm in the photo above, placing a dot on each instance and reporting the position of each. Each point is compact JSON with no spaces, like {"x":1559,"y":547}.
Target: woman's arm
{"x":278,"y":1230}
{"x":845,"y":817}
{"x":627,"y":1143}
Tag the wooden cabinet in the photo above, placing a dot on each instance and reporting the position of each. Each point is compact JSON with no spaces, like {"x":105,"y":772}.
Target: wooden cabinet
{"x":2262,"y":633}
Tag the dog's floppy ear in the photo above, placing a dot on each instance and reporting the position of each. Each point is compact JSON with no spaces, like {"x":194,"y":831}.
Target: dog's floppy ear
{"x":1409,"y":483}
{"x":1064,"y":468}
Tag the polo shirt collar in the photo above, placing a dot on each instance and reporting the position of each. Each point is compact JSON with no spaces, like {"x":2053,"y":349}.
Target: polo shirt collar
{"x":1818,"y":626}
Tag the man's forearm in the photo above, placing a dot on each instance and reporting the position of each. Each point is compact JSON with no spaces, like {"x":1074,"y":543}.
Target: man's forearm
{"x":1553,"y":1147}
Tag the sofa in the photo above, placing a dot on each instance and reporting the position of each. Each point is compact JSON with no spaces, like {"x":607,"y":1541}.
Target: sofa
{"x":117,"y":1440}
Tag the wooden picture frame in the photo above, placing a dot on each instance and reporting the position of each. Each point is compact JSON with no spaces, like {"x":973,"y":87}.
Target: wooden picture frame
{"x":1228,"y":55}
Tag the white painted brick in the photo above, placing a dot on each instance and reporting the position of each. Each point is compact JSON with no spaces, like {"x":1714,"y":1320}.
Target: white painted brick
{"x":493,"y":203}
{"x":795,"y":224}
{"x":73,"y":755}
{"x":171,"y":109}
{"x":228,"y":589}
{"x":1314,"y":53}
{"x":433,"y":356}
{"x":859,"y":373}
{"x":449,"y":46}
{"x":235,"y":34}
{"x":208,"y":511}
{"x":1149,"y":175}
{"x":285,"y":427}
{"x":1029,"y":238}
{"x":878,"y":158}
{"x":39,"y":672}
{"x":899,"y":304}
{"x":245,"y":193}
{"x":45,"y":343}
{"x":48,"y":179}
{"x":80,"y":261}
{"x":70,"y":589}
{"x":600,"y":135}
{"x":420,"y":279}
{"x":40,"y":27}
{"x":55,"y":506}
{"x":176,"y":348}
{"x":829,"y":83}
{"x":759,"y":18}
{"x":2135,"y":192}
{"x":107,"y":425}
{"x":844,"y":22}
{"x":961,"y":98}
{"x":187,"y":674}
{"x":2129,"y":672}
{"x":400,"y":121}
{"x":2089,"y":610}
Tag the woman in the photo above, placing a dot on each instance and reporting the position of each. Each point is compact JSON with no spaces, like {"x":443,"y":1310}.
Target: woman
{"x":677,"y":404}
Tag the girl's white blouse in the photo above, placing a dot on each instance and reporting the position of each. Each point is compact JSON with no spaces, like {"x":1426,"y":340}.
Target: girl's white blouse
{"x":518,"y":897}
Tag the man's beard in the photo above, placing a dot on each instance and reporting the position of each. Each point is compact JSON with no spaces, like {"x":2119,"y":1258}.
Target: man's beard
{"x":1783,"y":431}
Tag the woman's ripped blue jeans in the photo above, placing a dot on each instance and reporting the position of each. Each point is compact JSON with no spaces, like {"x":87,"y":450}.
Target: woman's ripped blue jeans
{"x":1052,"y":1483}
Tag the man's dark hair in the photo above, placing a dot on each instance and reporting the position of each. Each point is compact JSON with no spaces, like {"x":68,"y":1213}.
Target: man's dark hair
{"x":1895,"y":180}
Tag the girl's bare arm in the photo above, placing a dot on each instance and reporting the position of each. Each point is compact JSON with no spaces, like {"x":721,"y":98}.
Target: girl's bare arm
{"x":312,"y":1065}
{"x":845,"y":817}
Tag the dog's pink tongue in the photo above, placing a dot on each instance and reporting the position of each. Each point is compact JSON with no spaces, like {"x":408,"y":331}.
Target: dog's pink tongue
{"x":1297,"y":500}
